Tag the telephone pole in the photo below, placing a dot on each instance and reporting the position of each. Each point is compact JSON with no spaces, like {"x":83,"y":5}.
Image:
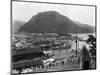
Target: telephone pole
{"x":76,"y":41}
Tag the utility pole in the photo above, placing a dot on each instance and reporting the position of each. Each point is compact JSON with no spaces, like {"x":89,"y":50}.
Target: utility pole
{"x":76,"y":44}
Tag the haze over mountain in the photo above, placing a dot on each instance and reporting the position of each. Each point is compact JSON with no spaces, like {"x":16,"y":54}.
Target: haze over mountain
{"x":16,"y":25}
{"x":54,"y":22}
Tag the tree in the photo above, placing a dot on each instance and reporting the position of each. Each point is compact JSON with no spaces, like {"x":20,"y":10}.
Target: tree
{"x":91,"y":41}
{"x":85,"y":58}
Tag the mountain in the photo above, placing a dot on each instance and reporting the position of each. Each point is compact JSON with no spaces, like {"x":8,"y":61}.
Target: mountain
{"x":16,"y":25}
{"x":53,"y":22}
{"x":91,"y":28}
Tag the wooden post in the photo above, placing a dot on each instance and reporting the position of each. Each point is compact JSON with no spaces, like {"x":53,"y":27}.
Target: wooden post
{"x":76,"y":45}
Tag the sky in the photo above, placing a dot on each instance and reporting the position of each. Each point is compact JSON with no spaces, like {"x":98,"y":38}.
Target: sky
{"x":23,"y":11}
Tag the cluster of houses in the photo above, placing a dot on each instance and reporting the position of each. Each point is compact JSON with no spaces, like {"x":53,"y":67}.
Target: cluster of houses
{"x":35,"y":51}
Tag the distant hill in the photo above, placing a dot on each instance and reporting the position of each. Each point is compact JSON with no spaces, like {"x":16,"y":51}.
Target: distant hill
{"x":91,"y":28}
{"x":54,"y":22}
{"x":16,"y":25}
